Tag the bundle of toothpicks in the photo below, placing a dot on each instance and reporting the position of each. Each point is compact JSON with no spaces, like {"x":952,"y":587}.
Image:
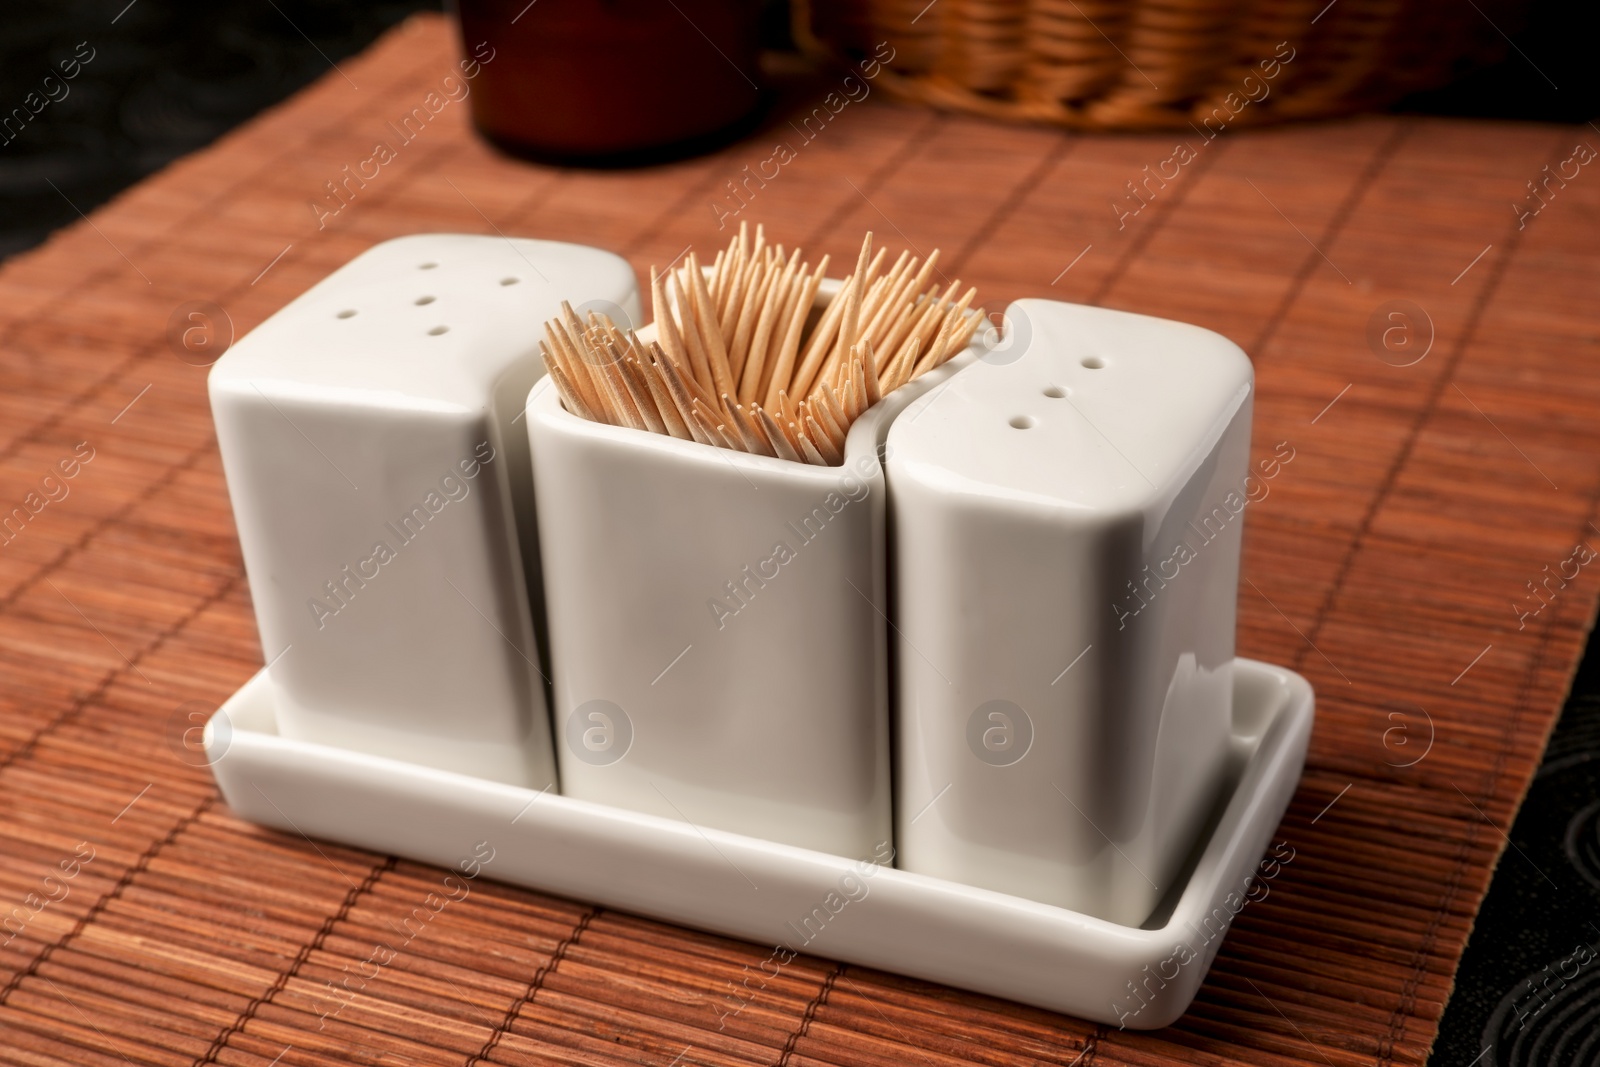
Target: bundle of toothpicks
{"x":739,"y":360}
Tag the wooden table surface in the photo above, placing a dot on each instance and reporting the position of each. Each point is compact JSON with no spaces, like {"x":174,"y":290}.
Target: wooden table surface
{"x":1403,"y":561}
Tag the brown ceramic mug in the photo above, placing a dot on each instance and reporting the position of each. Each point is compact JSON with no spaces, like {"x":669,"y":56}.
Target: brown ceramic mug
{"x":611,"y":81}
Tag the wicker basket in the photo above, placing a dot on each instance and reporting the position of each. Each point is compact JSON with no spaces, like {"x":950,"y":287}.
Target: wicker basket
{"x":1152,"y":64}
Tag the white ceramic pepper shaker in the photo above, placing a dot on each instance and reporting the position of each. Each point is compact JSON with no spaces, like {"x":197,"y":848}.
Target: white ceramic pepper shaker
{"x":1067,"y":518}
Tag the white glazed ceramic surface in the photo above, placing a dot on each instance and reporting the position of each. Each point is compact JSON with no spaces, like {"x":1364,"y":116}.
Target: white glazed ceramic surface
{"x":718,"y":626}
{"x":1063,"y":677}
{"x":779,"y":895}
{"x":381,"y":495}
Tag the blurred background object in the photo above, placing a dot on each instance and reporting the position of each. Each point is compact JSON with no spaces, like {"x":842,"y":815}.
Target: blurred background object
{"x":612,"y":81}
{"x":1159,"y":64}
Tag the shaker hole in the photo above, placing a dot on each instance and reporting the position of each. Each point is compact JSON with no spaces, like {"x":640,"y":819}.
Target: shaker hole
{"x":427,"y":266}
{"x":423,"y":300}
{"x":1054,"y":392}
{"x":1093,"y":362}
{"x":1024,"y":422}
{"x":346,"y":313}
{"x":437,"y":330}
{"x":509,"y":281}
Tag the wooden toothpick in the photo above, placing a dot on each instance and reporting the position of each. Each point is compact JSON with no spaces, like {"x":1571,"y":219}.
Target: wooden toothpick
{"x":742,"y":359}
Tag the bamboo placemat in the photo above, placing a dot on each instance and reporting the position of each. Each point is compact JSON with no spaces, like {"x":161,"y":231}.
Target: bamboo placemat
{"x":1386,"y":564}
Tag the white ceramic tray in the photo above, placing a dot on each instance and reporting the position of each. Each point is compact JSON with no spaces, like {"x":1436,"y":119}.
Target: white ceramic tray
{"x":796,"y":900}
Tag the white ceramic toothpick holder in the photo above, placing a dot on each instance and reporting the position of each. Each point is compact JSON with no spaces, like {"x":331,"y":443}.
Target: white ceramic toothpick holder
{"x":382,"y":496}
{"x":1067,"y":517}
{"x":718,"y":626}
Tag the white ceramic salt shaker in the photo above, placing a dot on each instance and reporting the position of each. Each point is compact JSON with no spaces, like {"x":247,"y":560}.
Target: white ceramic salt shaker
{"x":382,"y":497}
{"x":1067,"y":517}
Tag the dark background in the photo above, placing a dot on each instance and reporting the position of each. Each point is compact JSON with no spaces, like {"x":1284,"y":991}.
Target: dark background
{"x":167,"y":79}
